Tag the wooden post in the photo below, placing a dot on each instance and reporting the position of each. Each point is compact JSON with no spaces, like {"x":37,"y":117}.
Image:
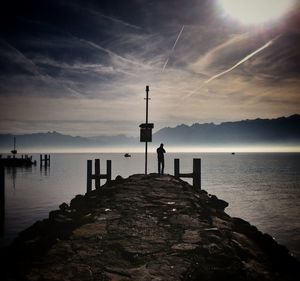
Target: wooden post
{"x":89,"y":176}
{"x":108,"y":170}
{"x":2,"y":199}
{"x":197,"y":173}
{"x":176,"y":168}
{"x":46,"y":160}
{"x":97,"y":173}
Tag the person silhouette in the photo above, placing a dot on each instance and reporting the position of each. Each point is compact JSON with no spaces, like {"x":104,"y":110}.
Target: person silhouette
{"x":161,"y":159}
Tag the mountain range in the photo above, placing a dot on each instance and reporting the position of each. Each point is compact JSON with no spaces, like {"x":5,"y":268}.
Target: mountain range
{"x":280,"y":131}
{"x":274,"y":131}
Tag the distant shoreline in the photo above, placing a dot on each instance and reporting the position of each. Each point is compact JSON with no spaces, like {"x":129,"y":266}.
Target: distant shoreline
{"x":141,"y":150}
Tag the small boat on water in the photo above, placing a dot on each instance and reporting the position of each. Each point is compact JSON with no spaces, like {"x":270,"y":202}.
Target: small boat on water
{"x":17,"y":162}
{"x":127,"y":155}
{"x":233,"y":153}
{"x":14,"y":161}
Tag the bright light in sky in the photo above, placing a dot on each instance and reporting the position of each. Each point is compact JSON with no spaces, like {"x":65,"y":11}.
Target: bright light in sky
{"x":256,"y":11}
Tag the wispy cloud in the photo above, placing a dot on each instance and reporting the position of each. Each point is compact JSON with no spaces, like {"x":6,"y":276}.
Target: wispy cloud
{"x":268,"y":44}
{"x":20,"y":57}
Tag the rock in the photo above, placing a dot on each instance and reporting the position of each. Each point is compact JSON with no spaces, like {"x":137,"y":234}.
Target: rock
{"x":79,"y":203}
{"x":218,"y":203}
{"x":119,"y":179}
{"x":64,"y":206}
{"x":147,"y":228}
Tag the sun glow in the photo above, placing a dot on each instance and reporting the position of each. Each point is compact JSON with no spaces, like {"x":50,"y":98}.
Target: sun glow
{"x":256,"y":11}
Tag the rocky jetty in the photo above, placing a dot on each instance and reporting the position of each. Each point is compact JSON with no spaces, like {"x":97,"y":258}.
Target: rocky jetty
{"x":146,"y":228}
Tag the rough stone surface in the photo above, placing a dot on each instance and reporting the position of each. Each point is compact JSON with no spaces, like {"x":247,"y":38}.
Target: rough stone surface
{"x":146,"y":228}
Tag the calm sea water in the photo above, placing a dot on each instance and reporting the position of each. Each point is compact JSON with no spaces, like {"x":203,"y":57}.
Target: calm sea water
{"x":263,"y":189}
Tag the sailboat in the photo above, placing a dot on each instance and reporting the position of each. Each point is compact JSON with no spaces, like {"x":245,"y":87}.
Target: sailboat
{"x":14,"y":161}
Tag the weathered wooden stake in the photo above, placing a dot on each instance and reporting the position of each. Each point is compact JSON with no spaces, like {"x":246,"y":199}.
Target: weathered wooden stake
{"x":195,"y":175}
{"x":89,"y":176}
{"x":108,"y":170}
{"x":45,"y":160}
{"x":176,"y":168}
{"x":2,"y":199}
{"x":97,"y":175}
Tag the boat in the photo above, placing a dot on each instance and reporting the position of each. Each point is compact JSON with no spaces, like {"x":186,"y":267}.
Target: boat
{"x":126,"y":155}
{"x":14,"y":161}
{"x":233,"y":153}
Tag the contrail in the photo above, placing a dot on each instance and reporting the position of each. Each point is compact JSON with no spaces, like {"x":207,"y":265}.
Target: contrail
{"x":36,"y":70}
{"x":244,"y":59}
{"x":175,"y":43}
{"x":109,"y":52}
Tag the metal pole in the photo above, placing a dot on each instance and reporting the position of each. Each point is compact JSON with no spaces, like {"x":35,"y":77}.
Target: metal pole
{"x":146,"y":157}
{"x":146,"y":143}
{"x":147,"y":98}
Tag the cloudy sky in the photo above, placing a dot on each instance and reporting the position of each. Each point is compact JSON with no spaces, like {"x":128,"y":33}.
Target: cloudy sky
{"x":81,"y":67}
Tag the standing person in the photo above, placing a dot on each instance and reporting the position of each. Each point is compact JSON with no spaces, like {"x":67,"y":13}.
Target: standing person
{"x":161,"y":159}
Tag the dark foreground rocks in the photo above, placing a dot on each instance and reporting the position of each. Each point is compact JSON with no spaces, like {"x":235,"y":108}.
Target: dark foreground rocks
{"x":146,"y":228}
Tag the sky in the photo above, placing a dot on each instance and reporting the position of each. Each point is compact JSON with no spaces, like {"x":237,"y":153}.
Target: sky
{"x":81,"y":67}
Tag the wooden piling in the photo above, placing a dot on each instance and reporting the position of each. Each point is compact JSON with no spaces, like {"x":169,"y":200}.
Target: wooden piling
{"x":44,"y":161}
{"x":195,"y":175}
{"x":176,"y":168}
{"x":2,"y":199}
{"x":108,"y":170}
{"x":97,"y":176}
{"x":89,"y":176}
{"x":97,"y":173}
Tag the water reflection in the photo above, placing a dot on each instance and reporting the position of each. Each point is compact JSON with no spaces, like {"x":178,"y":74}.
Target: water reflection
{"x":9,"y":180}
{"x":2,"y":200}
{"x":45,"y":171}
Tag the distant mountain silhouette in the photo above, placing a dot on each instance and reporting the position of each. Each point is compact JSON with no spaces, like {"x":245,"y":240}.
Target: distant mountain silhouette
{"x":282,"y":130}
{"x":57,"y":140}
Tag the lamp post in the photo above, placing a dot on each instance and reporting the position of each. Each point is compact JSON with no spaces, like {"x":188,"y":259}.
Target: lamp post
{"x":146,"y":143}
{"x":146,"y":131}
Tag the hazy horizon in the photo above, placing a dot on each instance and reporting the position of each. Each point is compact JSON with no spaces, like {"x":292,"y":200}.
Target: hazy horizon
{"x":169,"y":149}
